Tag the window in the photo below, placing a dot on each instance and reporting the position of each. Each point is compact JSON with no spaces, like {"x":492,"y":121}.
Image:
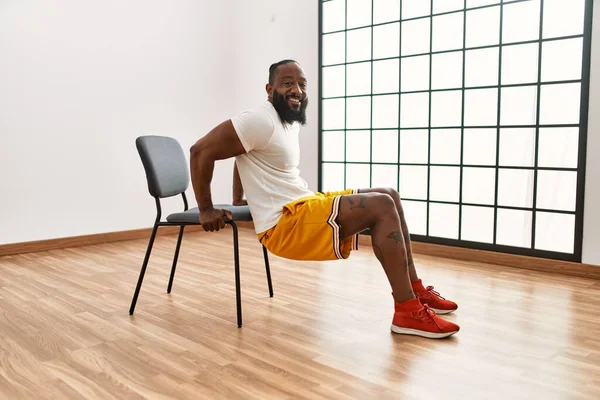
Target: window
{"x":475,"y":110}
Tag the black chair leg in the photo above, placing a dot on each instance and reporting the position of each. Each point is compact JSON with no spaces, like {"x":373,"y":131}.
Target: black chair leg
{"x":266,"y":254}
{"x":143,"y":271}
{"x":236,"y":257}
{"x":175,"y":257}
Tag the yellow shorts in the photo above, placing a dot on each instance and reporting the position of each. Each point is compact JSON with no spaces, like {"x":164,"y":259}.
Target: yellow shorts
{"x":308,"y":230}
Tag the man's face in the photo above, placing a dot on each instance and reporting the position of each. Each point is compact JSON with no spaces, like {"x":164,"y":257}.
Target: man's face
{"x":288,"y":93}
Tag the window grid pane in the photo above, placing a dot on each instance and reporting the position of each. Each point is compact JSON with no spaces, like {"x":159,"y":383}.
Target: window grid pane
{"x":467,"y":110}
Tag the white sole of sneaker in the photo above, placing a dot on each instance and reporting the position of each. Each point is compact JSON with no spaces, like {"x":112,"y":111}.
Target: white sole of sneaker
{"x":429,"y":335}
{"x":442,"y":312}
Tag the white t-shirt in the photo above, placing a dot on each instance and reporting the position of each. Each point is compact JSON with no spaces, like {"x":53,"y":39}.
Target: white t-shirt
{"x":269,"y":168}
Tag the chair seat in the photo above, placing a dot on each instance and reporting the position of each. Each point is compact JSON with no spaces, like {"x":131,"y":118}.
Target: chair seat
{"x":192,"y":216}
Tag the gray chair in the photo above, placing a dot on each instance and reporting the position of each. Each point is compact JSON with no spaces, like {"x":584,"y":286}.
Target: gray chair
{"x":167,"y":174}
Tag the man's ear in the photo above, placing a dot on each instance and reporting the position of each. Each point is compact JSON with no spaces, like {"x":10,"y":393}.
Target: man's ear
{"x":269,"y":89}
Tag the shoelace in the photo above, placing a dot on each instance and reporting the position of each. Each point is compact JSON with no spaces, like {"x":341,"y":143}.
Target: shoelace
{"x":430,"y":290}
{"x":428,"y":314}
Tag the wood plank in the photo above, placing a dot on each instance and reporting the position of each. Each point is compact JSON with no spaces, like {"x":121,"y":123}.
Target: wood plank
{"x":66,"y":332}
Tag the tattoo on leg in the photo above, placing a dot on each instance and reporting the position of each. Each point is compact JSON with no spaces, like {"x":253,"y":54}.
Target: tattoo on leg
{"x":397,"y":236}
{"x":361,"y":202}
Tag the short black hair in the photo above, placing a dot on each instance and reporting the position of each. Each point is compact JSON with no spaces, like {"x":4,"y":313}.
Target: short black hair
{"x":273,"y":69}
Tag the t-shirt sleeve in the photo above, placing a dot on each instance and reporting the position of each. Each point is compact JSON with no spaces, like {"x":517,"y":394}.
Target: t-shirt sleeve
{"x":254,"y":128}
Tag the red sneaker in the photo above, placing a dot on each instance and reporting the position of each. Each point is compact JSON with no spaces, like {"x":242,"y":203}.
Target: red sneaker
{"x":413,"y":318}
{"x":430,"y":297}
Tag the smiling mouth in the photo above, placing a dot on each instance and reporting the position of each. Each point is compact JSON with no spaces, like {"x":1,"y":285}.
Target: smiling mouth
{"x":294,"y":101}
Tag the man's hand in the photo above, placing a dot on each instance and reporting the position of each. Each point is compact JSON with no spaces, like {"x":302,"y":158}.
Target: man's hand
{"x":240,"y":203}
{"x":212,"y":219}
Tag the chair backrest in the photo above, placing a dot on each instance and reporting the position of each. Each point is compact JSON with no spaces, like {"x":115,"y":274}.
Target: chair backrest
{"x":165,"y":164}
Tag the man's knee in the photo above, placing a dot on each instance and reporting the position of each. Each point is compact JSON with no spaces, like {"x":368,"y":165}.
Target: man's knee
{"x":383,"y":203}
{"x":393,"y":193}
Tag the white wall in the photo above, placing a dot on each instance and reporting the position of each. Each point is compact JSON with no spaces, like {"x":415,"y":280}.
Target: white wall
{"x":591,"y":222}
{"x":79,"y":81}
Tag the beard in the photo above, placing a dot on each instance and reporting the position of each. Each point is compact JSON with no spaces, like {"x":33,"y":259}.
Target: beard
{"x":287,"y":114}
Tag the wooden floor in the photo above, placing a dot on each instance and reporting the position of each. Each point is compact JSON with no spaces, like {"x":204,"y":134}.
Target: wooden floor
{"x":65,"y":332}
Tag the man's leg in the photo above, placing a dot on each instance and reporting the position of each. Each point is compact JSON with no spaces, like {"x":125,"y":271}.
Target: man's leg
{"x":377,"y":211}
{"x":396,"y":197}
{"x":426,"y":294}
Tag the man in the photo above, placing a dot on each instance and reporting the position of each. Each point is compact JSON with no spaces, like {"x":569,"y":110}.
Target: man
{"x":296,"y":223}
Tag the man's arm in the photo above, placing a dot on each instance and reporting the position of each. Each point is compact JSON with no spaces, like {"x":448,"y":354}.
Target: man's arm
{"x":220,"y":143}
{"x":238,"y":189}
